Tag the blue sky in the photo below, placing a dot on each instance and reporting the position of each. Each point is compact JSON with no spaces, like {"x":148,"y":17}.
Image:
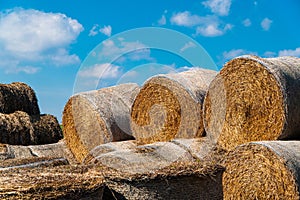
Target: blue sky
{"x":48,"y":44}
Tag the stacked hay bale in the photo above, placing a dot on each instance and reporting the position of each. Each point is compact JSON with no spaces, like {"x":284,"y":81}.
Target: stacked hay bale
{"x":20,"y":119}
{"x":254,"y":99}
{"x":263,"y":170}
{"x":170,"y":106}
{"x":97,"y":117}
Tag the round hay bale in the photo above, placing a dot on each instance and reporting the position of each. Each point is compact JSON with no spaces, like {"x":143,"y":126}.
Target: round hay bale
{"x":254,"y":99}
{"x":47,"y":129}
{"x":144,"y":158}
{"x":170,"y":106}
{"x":263,"y":170}
{"x":97,"y":117}
{"x":19,"y":128}
{"x":18,"y":97}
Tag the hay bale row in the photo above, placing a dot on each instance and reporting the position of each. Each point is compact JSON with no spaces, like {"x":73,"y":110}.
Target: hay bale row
{"x":263,"y":170}
{"x":97,"y":117}
{"x":18,"y":97}
{"x":254,"y":99}
{"x":170,"y":106}
{"x":19,"y":128}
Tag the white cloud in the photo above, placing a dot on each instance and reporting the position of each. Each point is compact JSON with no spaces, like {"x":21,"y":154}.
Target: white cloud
{"x":213,"y":30}
{"x":123,"y":51}
{"x":24,"y":69}
{"x":106,"y":30}
{"x":94,"y":30}
{"x":186,"y":19}
{"x":162,"y":21}
{"x":290,"y":52}
{"x":266,"y":24}
{"x":32,"y":36}
{"x":210,"y":30}
{"x":227,"y":55}
{"x":208,"y":26}
{"x":187,"y":46}
{"x":219,"y":7}
{"x":247,"y":22}
{"x":101,"y":71}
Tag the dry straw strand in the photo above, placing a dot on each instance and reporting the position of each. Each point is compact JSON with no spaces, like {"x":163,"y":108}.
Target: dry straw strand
{"x":97,"y":117}
{"x":254,"y":99}
{"x":170,"y":106}
{"x":263,"y":170}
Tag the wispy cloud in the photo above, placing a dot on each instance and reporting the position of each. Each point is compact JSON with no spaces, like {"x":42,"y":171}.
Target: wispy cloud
{"x":266,"y":24}
{"x":29,"y":36}
{"x":208,"y":26}
{"x":162,"y":21}
{"x":102,"y":71}
{"x":186,"y":19}
{"x":213,"y":30}
{"x":247,"y":22}
{"x":188,"y":45}
{"x":123,"y":51}
{"x":106,"y":30}
{"x":227,"y":55}
{"x":290,"y":52}
{"x":95,"y":30}
{"x":219,"y":7}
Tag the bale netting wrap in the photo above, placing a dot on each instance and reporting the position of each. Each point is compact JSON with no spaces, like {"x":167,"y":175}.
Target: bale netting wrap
{"x":18,"y":97}
{"x":97,"y":117}
{"x":254,"y":99}
{"x":170,"y":106}
{"x":263,"y":170}
{"x":19,"y":128}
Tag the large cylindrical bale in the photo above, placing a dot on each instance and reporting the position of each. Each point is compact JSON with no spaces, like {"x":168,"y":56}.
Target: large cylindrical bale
{"x":170,"y":106}
{"x":97,"y":117}
{"x":127,"y":156}
{"x":19,"y":128}
{"x":143,"y":158}
{"x":263,"y":170}
{"x":254,"y":99}
{"x":18,"y":97}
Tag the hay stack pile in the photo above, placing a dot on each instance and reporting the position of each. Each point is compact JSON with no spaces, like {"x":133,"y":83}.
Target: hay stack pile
{"x":20,"y":119}
{"x":263,"y":170}
{"x":97,"y":117}
{"x":254,"y":99}
{"x":170,"y":106}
